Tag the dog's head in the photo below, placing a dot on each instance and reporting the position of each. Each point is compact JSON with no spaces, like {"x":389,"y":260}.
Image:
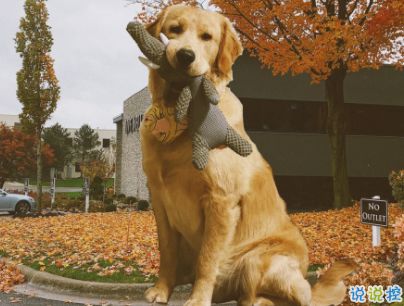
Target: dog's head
{"x":200,"y":41}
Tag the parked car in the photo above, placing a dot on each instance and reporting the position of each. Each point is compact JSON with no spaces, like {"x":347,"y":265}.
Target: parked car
{"x":16,"y":203}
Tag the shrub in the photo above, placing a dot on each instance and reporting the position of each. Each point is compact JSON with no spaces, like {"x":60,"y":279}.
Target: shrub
{"x":130,"y":200}
{"x":97,"y":188}
{"x":108,"y":201}
{"x":143,"y":205}
{"x":109,"y":207}
{"x":120,"y":197}
{"x":399,"y":234}
{"x":396,"y":180}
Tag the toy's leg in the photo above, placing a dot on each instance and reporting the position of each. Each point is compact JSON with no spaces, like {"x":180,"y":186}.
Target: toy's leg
{"x":181,"y":108}
{"x":210,"y":91}
{"x":200,"y":152}
{"x":238,"y":144}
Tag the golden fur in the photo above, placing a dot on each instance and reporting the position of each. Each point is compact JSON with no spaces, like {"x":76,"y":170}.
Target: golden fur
{"x":224,"y":229}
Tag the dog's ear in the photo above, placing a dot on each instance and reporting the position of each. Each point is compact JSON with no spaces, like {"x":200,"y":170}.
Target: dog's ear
{"x":230,"y":48}
{"x":154,"y":28}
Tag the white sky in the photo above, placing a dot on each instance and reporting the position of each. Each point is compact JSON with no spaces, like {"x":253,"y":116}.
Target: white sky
{"x":95,"y":59}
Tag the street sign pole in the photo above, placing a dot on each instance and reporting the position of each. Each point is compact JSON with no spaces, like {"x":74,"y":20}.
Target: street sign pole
{"x":26,"y":186}
{"x":53,"y":192}
{"x":375,"y":212}
{"x":87,"y":194}
{"x":376,"y":238}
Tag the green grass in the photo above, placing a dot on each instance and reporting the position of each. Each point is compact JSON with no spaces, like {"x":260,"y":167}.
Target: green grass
{"x":82,"y":273}
{"x":70,"y":195}
{"x":73,"y":182}
{"x":314,"y":268}
{"x":3,"y":253}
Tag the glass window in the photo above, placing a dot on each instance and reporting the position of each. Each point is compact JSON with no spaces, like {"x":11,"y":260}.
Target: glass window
{"x":311,"y":117}
{"x":106,"y":142}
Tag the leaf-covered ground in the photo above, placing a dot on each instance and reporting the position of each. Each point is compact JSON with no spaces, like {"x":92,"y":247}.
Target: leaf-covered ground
{"x":338,"y":235}
{"x":88,"y":241}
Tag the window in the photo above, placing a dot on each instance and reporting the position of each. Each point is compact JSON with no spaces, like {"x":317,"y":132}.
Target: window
{"x":77,"y":167}
{"x":311,"y":117}
{"x":106,"y":143}
{"x":70,"y":141}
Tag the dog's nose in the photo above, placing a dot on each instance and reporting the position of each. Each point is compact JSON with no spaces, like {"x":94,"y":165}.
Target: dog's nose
{"x":185,"y":57}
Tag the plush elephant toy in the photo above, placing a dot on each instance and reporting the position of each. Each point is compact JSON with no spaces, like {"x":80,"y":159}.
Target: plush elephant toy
{"x":198,"y":98}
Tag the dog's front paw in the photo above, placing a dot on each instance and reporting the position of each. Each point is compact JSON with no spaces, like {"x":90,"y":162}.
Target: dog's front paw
{"x":156,"y":295}
{"x":197,"y":302}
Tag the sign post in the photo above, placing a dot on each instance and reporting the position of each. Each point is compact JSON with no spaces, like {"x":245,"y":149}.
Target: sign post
{"x":26,"y":186}
{"x":374,"y":212}
{"x":53,"y":192}
{"x":86,"y":191}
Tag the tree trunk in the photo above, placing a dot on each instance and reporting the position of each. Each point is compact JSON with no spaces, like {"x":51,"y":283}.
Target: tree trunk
{"x":2,"y":181}
{"x":39,"y":169}
{"x":336,"y":132}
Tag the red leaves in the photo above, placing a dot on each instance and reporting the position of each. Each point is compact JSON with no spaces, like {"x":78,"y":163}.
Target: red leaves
{"x":18,"y":155}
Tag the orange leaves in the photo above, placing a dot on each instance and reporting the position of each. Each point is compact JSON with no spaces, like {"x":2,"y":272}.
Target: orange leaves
{"x":100,"y":242}
{"x":338,"y":234}
{"x":83,"y":240}
{"x":9,"y":276}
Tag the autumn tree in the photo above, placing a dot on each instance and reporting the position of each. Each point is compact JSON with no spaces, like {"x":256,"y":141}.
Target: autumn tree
{"x":37,"y":85}
{"x":325,"y":39}
{"x":84,"y":142}
{"x":18,"y":154}
{"x":96,"y":165}
{"x":58,"y":138}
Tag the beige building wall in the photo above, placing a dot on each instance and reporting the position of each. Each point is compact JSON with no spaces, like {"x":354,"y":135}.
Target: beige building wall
{"x":9,"y":120}
{"x":131,"y":179}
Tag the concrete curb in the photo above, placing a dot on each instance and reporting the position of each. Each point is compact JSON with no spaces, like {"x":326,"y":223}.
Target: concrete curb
{"x":133,"y":292}
{"x":68,"y":286}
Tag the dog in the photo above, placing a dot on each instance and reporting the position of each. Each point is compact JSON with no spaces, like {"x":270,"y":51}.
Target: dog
{"x":224,"y":229}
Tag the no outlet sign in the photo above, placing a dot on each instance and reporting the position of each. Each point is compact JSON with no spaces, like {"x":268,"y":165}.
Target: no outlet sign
{"x":374,"y":212}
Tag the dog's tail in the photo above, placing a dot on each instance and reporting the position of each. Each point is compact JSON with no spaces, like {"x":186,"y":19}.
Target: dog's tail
{"x":330,"y":289}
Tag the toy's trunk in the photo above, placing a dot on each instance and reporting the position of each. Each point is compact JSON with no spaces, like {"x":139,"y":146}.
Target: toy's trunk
{"x":150,"y":46}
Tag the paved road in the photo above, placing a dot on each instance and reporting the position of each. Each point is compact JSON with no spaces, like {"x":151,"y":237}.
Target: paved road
{"x":15,"y":299}
{"x":32,"y":296}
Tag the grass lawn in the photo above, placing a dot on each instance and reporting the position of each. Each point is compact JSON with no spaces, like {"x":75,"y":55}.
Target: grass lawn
{"x":73,"y":182}
{"x":127,"y":273}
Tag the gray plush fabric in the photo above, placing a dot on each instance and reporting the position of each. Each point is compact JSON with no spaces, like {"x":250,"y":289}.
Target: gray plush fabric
{"x":199,"y":98}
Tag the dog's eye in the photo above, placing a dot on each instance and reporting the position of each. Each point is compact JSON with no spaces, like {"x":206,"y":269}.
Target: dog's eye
{"x":176,"y":29}
{"x":206,"y":36}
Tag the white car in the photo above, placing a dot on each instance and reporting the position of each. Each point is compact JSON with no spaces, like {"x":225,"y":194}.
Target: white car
{"x":16,"y":203}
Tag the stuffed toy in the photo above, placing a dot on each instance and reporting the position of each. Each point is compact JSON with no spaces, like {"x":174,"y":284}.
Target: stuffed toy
{"x":198,"y":98}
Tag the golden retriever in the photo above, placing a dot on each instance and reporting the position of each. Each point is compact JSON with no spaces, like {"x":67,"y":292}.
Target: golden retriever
{"x":224,"y":229}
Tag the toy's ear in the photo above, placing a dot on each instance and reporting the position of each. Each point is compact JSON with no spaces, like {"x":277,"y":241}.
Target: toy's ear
{"x":230,"y":48}
{"x":154,"y":28}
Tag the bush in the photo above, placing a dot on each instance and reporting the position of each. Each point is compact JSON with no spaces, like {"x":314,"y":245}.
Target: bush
{"x":108,"y":201}
{"x":396,"y":180}
{"x":143,"y":205}
{"x":130,"y":200}
{"x":109,"y":207}
{"x":97,"y":188}
{"x":399,"y":234}
{"x":120,"y":197}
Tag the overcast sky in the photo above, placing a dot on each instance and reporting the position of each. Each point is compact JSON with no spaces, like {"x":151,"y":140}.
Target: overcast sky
{"x":95,"y":59}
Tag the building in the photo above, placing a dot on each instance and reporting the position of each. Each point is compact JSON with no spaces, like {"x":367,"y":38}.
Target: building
{"x":72,"y":170}
{"x":107,"y":144}
{"x":286,"y":117}
{"x":129,"y":176}
{"x":10,"y":120}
